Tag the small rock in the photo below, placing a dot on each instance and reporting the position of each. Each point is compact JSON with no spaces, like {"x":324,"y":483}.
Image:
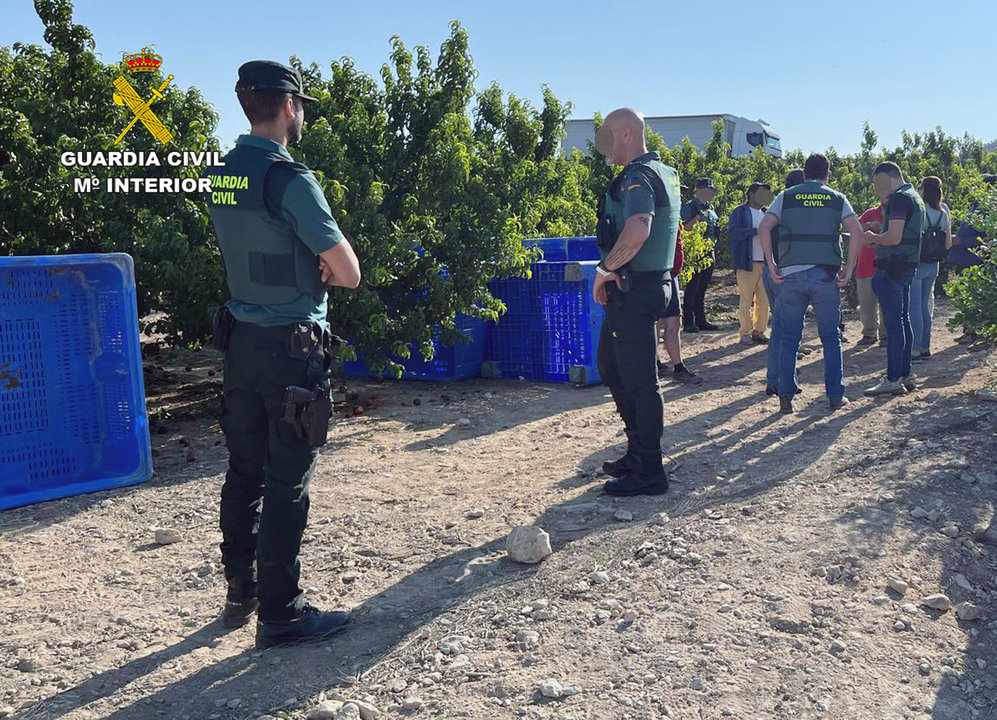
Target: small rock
{"x":919,"y":513}
{"x":233,"y":703}
{"x":940,"y":601}
{"x":464,"y":422}
{"x":623,"y":516}
{"x":528,"y":544}
{"x":167,"y":536}
{"x":924,"y":668}
{"x":899,"y":626}
{"x":896,"y":585}
{"x":599,"y":577}
{"x":27,"y":665}
{"x":909,"y":608}
{"x":6,"y":711}
{"x":476,"y":513}
{"x":880,"y":600}
{"x":412,"y":704}
{"x":838,"y":647}
{"x":571,"y":690}
{"x":696,"y":684}
{"x":325,"y":710}
{"x":950,"y":530}
{"x":981,"y":663}
{"x":551,"y":688}
{"x":349,"y":711}
{"x":630,"y":617}
{"x":967,"y":611}
{"x":106,"y":503}
{"x":660,"y":518}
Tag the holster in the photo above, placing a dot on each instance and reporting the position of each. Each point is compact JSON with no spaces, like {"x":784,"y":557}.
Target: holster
{"x":308,"y":412}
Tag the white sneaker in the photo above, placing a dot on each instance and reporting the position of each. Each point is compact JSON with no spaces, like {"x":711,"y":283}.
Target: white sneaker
{"x":887,"y":388}
{"x":909,"y":383}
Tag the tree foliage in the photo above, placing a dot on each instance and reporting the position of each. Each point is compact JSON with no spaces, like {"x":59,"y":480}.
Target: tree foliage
{"x":60,"y":101}
{"x":435,"y":184}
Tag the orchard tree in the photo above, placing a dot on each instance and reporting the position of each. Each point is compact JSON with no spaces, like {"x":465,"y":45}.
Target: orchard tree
{"x":60,"y":100}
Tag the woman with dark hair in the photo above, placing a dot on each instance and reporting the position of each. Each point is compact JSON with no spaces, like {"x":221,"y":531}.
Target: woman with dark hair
{"x":936,"y":241}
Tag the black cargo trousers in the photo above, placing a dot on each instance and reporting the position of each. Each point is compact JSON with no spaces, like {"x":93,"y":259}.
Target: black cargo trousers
{"x":628,"y":360}
{"x":265,"y":497}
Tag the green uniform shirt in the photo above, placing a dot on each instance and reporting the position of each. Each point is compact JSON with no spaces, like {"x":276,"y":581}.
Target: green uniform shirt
{"x":293,"y":196}
{"x":706,"y":213}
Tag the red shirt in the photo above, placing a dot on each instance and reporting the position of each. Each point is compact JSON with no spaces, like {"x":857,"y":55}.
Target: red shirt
{"x":868,"y":252}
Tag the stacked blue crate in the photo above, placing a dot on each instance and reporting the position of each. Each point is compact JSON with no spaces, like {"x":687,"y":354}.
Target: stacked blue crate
{"x":72,"y":398}
{"x":554,"y":249}
{"x":582,"y":248}
{"x":459,"y":361}
{"x":550,"y":331}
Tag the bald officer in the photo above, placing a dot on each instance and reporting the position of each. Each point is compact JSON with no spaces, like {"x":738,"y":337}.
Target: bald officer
{"x":281,"y":250}
{"x":638,"y":225}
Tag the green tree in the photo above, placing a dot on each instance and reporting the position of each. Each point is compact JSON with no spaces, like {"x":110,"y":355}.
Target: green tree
{"x":435,"y":193}
{"x":61,"y":101}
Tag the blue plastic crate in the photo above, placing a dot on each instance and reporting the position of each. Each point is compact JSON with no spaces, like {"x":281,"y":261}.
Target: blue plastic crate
{"x":72,"y":399}
{"x":582,"y":248}
{"x":460,"y":361}
{"x":554,"y":249}
{"x":550,"y":331}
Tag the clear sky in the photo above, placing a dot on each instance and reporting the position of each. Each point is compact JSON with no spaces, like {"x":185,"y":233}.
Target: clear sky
{"x":814,"y":71}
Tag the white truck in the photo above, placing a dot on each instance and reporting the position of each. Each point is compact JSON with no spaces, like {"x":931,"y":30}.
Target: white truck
{"x":741,"y":134}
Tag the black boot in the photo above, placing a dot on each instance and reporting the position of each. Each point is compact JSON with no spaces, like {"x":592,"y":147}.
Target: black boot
{"x":649,"y":479}
{"x":786,"y":404}
{"x":240,"y":602}
{"x":619,"y":468}
{"x":312,"y":625}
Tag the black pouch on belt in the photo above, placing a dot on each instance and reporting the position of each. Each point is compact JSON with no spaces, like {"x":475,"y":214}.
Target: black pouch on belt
{"x":222,"y":324}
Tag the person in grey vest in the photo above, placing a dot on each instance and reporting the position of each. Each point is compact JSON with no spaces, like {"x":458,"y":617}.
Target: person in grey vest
{"x":808,"y":272}
{"x":281,"y":250}
{"x":898,"y":251}
{"x":793,"y":178}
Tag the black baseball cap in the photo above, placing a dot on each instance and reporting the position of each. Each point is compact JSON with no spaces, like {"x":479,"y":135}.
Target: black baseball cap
{"x":706,"y":183}
{"x":270,"y":75}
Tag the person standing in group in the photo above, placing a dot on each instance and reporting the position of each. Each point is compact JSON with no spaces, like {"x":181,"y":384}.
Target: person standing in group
{"x":935,"y":244}
{"x":637,"y":229}
{"x":793,"y":178}
{"x":281,"y":249}
{"x":748,"y":260}
{"x":668,"y":329}
{"x":963,"y":253}
{"x":808,"y":270}
{"x":898,"y":251}
{"x":700,"y":209}
{"x":873,"y":327}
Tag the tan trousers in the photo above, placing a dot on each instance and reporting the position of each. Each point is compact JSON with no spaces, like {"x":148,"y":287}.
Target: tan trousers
{"x":869,"y":310}
{"x":750,"y":287}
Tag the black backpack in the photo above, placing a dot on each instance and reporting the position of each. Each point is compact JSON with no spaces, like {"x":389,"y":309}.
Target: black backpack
{"x":933,"y":241}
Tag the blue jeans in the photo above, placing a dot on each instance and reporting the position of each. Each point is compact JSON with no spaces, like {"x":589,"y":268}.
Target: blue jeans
{"x":894,"y":299}
{"x":775,"y":332}
{"x":921,"y":295}
{"x":815,"y":287}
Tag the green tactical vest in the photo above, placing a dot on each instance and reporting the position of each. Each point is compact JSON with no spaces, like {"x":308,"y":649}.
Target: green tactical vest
{"x":658,"y":252}
{"x":909,"y":248}
{"x":265,"y":262}
{"x":707,"y":214}
{"x":809,"y":226}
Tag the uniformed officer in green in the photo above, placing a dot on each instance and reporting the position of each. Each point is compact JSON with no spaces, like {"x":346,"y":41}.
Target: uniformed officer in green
{"x":700,"y":209}
{"x":638,"y":226}
{"x":898,"y":251}
{"x":281,"y":250}
{"x":807,"y":270}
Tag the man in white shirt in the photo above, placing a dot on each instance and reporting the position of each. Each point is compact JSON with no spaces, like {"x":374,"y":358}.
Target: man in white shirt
{"x":749,"y":261}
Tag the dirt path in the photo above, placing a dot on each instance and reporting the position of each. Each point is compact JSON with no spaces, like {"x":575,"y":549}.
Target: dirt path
{"x":756,"y":588}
